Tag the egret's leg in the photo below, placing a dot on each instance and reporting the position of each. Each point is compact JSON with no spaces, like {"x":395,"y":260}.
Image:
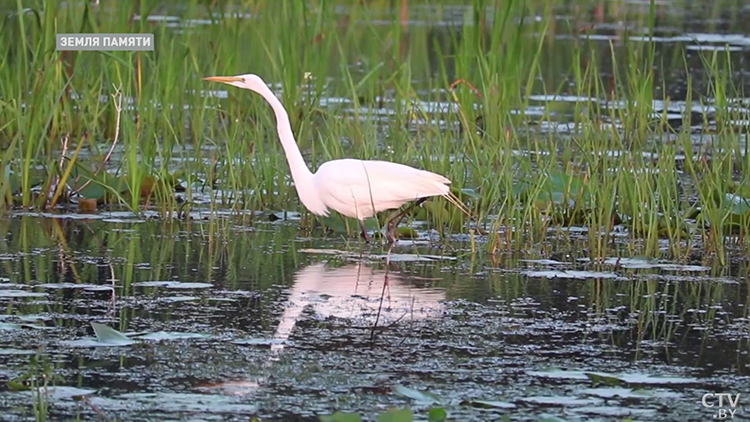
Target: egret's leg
{"x":394,"y":221}
{"x":386,"y":286}
{"x":364,"y":231}
{"x":390,"y":232}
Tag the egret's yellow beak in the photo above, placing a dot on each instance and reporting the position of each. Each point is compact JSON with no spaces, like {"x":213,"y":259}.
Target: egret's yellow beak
{"x":225,"y":79}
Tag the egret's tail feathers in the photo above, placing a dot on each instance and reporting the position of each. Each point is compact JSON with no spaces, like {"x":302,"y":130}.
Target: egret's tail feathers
{"x":453,"y":199}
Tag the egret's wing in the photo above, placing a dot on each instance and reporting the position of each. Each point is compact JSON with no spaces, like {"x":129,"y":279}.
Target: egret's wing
{"x":356,"y":187}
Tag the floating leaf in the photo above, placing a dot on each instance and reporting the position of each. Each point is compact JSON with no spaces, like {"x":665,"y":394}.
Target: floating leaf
{"x":437,"y":414}
{"x":628,"y":393}
{"x":341,"y":417}
{"x":404,"y":415}
{"x":64,"y":392}
{"x":101,"y":187}
{"x":16,"y":352}
{"x":176,"y":299}
{"x":420,"y":396}
{"x":170,"y":335}
{"x":562,"y":401}
{"x":739,"y":205}
{"x":87,"y":205}
{"x":13,"y":179}
{"x":107,"y":335}
{"x":90,"y":287}
{"x":173,"y":285}
{"x":629,"y":378}
{"x":407,"y":233}
{"x":147,"y":186}
{"x":408,"y":257}
{"x":576,"y":275}
{"x":642,"y":263}
{"x":20,"y":293}
{"x":489,"y":404}
{"x":161,"y":185}
{"x":564,"y":196}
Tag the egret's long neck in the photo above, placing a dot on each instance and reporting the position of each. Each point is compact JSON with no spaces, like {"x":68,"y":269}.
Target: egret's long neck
{"x":303,"y":178}
{"x":293,"y":155}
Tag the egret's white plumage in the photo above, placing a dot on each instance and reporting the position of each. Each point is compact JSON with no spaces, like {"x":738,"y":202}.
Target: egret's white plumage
{"x":354,"y":188}
{"x":359,"y":189}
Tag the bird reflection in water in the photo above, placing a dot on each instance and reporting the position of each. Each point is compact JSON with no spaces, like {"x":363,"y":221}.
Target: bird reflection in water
{"x":355,"y":292}
{"x":358,"y":293}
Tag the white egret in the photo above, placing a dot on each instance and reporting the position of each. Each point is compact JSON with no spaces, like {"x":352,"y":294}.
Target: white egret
{"x":354,"y":188}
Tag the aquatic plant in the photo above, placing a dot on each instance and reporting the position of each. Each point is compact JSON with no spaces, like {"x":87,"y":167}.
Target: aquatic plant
{"x":540,"y":120}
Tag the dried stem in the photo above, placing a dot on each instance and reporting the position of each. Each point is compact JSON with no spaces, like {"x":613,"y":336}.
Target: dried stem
{"x":464,"y":81}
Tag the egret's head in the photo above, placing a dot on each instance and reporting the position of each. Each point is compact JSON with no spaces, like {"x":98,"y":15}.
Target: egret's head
{"x":249,"y":81}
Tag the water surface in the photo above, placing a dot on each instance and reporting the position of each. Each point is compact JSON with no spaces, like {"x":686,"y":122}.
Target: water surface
{"x":233,"y":320}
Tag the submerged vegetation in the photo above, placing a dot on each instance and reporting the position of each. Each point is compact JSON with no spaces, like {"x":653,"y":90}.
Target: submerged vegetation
{"x":545,"y":114}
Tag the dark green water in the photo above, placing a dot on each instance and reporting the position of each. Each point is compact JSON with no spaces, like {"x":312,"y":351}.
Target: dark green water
{"x":263,"y":320}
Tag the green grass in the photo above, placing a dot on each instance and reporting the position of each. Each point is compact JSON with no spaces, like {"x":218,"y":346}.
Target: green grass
{"x":515,"y":175}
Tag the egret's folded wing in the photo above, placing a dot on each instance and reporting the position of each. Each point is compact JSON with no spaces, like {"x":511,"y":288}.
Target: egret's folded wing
{"x":375,"y":186}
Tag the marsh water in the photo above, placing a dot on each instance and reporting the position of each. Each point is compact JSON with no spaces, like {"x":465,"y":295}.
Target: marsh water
{"x":231,"y":320}
{"x":230,"y":317}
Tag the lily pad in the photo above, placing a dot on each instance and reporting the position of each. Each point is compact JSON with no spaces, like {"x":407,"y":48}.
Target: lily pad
{"x":9,"y":326}
{"x":341,"y":417}
{"x":406,"y":257}
{"x":490,"y":404}
{"x":179,"y":299}
{"x":419,"y":396}
{"x":614,"y":411}
{"x":542,"y":261}
{"x":14,"y":352}
{"x":629,"y":393}
{"x":577,"y":275}
{"x":641,"y":263}
{"x":437,"y":414}
{"x":403,"y":415}
{"x":170,"y":335}
{"x":72,"y":286}
{"x":20,"y":293}
{"x":628,"y":378}
{"x":181,"y":403}
{"x":563,"y":189}
{"x":101,"y":186}
{"x":173,"y":285}
{"x":108,"y":336}
{"x":562,"y":401}
{"x":63,"y":392}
